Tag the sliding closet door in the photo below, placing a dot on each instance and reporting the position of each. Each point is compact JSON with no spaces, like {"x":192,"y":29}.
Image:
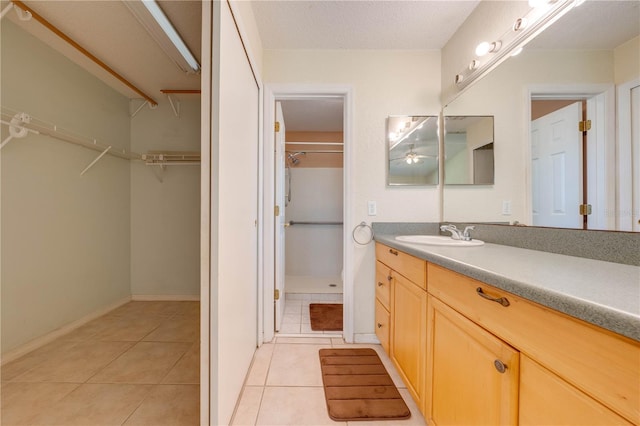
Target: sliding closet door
{"x":234,"y":214}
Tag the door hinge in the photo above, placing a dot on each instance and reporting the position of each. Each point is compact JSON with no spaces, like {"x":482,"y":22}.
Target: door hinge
{"x":584,"y":126}
{"x":276,"y":210}
{"x":585,"y":209}
{"x":276,"y":294}
{"x":277,"y":126}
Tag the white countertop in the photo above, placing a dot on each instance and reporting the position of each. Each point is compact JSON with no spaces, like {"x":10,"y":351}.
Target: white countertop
{"x":603,"y":293}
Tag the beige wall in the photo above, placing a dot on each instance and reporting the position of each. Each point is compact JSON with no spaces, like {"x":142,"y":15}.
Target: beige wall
{"x":627,"y":61}
{"x":165,"y":216}
{"x":385,"y":83}
{"x":64,"y":237}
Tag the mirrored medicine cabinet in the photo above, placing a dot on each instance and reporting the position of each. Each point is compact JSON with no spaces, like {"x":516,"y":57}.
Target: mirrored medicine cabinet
{"x":412,"y":150}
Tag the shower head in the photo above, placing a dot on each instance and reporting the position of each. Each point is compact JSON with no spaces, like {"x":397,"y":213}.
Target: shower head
{"x":293,"y":157}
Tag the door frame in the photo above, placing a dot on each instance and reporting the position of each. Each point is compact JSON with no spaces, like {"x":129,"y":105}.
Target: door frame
{"x":605,"y":122}
{"x":625,"y":159}
{"x":273,"y":92}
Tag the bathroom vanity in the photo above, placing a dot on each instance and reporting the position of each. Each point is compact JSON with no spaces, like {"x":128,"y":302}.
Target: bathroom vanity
{"x":503,"y":335}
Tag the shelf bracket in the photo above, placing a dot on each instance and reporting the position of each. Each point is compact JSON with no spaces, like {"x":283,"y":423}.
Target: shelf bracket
{"x":6,"y":10}
{"x":16,"y":127}
{"x":95,"y":161}
{"x":160,"y":173}
{"x":175,"y":107}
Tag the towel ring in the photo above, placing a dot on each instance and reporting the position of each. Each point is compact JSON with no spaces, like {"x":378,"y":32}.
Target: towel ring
{"x":363,"y":225}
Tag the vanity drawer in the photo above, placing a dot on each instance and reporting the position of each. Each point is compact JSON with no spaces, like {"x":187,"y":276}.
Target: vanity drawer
{"x":383,"y":284}
{"x":383,"y":325}
{"x":411,"y":267}
{"x":600,"y":363}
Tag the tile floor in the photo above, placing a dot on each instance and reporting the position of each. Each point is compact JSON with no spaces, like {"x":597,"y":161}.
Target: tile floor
{"x":136,"y":365}
{"x":284,"y":385}
{"x":296,"y":318}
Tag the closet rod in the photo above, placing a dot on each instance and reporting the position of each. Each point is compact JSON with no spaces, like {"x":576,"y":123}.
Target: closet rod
{"x":323,"y":151}
{"x":315,"y":143}
{"x":180,"y":91}
{"x":82,"y":50}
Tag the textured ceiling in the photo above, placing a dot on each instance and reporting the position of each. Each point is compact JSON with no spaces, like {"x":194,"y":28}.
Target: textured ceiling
{"x":391,"y":24}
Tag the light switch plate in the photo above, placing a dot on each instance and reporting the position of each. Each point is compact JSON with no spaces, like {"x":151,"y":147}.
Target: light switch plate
{"x":372,"y":208}
{"x":506,"y":207}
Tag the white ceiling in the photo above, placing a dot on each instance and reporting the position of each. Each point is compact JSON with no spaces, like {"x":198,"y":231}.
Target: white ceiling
{"x":374,"y":24}
{"x":313,"y":115}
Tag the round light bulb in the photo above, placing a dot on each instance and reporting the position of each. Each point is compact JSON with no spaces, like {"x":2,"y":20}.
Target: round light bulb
{"x":483,"y":48}
{"x":517,"y":51}
{"x":408,"y":160}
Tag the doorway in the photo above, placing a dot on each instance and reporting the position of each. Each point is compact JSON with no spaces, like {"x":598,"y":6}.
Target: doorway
{"x":318,"y":220}
{"x":572,"y":168}
{"x":309,"y":227}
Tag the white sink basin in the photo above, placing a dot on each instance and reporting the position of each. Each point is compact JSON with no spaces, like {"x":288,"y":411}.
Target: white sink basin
{"x":438,"y":240}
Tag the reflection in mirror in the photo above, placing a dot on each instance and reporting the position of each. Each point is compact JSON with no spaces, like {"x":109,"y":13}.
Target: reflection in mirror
{"x":591,"y":55}
{"x":412,"y":143}
{"x":468,"y":150}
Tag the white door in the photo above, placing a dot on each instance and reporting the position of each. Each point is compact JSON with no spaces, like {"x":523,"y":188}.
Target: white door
{"x":556,"y":168}
{"x":279,"y":219}
{"x":635,"y":150}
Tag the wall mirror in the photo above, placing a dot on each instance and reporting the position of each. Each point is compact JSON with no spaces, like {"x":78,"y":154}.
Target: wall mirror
{"x":412,"y":150}
{"x":468,"y":150}
{"x":582,"y":58}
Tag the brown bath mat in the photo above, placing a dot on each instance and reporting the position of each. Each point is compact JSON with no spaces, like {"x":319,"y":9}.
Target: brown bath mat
{"x":326,"y":316}
{"x":357,"y":386}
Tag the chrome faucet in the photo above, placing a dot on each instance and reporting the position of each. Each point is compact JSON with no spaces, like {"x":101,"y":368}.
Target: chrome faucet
{"x":456,"y":234}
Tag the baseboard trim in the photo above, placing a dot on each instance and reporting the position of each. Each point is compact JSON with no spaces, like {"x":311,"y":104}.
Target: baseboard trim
{"x":165,"y":297}
{"x":370,"y":338}
{"x":38,"y":342}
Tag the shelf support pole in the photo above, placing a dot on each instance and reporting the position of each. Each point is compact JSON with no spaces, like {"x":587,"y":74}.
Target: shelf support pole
{"x":95,"y":161}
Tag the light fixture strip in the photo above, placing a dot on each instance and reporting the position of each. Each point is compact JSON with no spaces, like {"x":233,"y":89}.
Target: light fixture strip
{"x":537,"y":21}
{"x":170,"y":31}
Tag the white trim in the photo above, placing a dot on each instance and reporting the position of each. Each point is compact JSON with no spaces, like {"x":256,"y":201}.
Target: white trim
{"x":273,"y":92}
{"x":38,"y":342}
{"x":369,"y":338}
{"x":624,"y":163}
{"x":165,"y":297}
{"x":606,"y":124}
{"x":205,"y":212}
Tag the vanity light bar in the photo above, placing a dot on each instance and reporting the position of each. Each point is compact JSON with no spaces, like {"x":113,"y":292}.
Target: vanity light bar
{"x":491,"y":54}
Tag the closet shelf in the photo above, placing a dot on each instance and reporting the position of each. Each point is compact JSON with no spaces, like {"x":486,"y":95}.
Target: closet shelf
{"x":171,"y":158}
{"x":34,"y":125}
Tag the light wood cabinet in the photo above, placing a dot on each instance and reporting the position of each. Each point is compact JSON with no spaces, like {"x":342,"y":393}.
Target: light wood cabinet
{"x":409,"y":326}
{"x":603,"y":365}
{"x":547,"y":399}
{"x":401,"y":312}
{"x":473,"y":375}
{"x":449,"y":336}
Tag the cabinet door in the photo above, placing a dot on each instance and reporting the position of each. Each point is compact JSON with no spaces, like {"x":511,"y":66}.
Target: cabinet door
{"x":383,"y":324}
{"x":409,"y":324}
{"x":546,"y":399}
{"x":473,"y":375}
{"x":383,"y":284}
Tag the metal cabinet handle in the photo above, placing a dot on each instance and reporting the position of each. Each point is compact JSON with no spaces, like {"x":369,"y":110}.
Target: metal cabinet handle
{"x":501,"y":300}
{"x":379,"y":325}
{"x":393,"y":252}
{"x":500,"y":366}
{"x":389,"y":278}
{"x":380,"y":284}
